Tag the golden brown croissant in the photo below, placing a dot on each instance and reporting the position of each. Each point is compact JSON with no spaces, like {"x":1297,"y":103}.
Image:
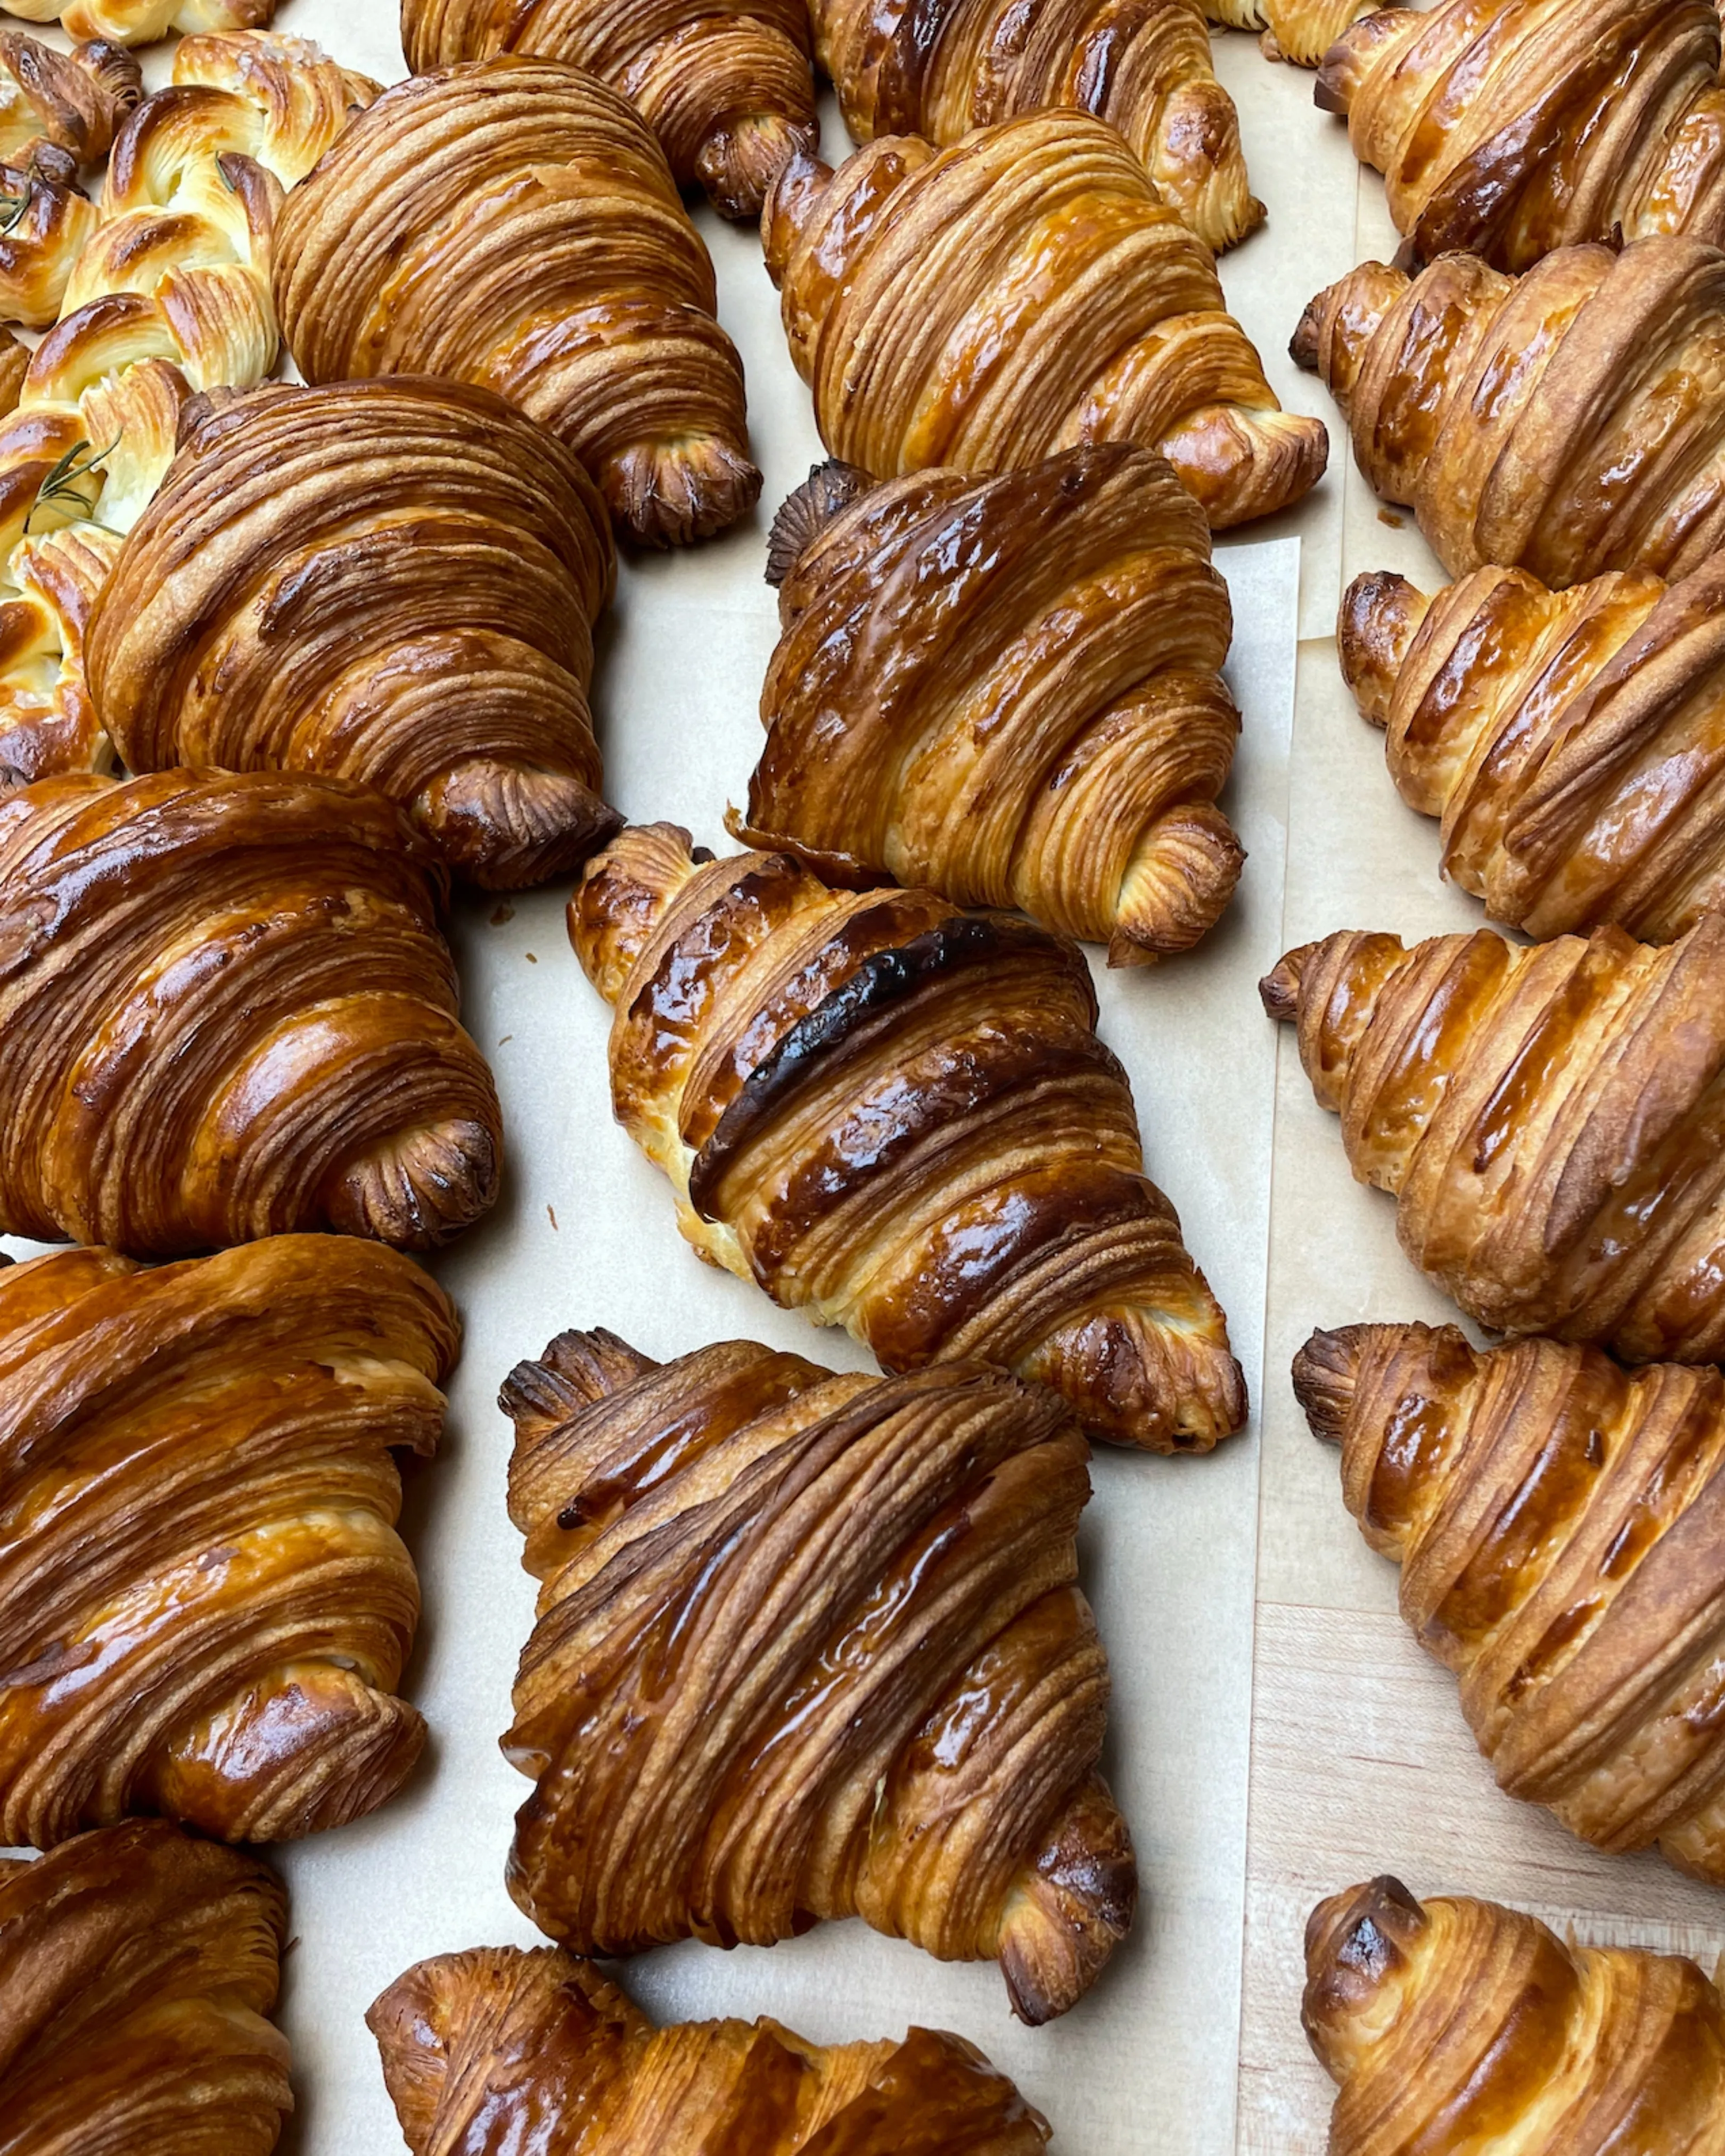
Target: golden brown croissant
{"x":898,"y":1117}
{"x":1025,"y":292}
{"x":513,"y":222}
{"x":57,"y":111}
{"x":226,"y":1011}
{"x":142,"y":22}
{"x":485,"y":2050}
{"x":1007,"y":688}
{"x":1455,"y":2026}
{"x":394,"y":582}
{"x":1550,"y":1121}
{"x":204,"y":1607}
{"x":810,"y":1647}
{"x":1301,"y":31}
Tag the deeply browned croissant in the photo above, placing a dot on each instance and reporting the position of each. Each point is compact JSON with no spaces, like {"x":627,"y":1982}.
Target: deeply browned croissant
{"x":513,"y":223}
{"x":810,"y":1647}
{"x":1007,"y":689}
{"x":142,"y":22}
{"x":394,"y":582}
{"x":226,"y":1011}
{"x":499,"y":2049}
{"x":1458,"y":2026}
{"x":1025,"y":292}
{"x":1551,"y":1120}
{"x":58,"y":111}
{"x":1301,"y":31}
{"x":898,"y":1117}
{"x":136,"y":1966}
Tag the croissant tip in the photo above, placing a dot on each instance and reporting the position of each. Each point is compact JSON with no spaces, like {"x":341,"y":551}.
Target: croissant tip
{"x":1379,"y":617}
{"x":1303,"y":346}
{"x":805,"y":513}
{"x":1279,"y":991}
{"x":737,"y":164}
{"x":1323,"y":1375}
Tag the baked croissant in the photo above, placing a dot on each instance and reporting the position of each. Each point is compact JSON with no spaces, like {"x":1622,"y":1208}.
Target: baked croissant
{"x":897,"y":1117}
{"x":1007,"y":688}
{"x":226,"y":1011}
{"x":1573,"y":742}
{"x":1562,"y":422}
{"x":1301,"y":31}
{"x":1025,"y":292}
{"x":1457,"y":2026}
{"x":513,"y":222}
{"x":1507,"y":129}
{"x":482,"y":2050}
{"x":394,"y":582}
{"x":810,"y":1647}
{"x":58,"y":111}
{"x":1551,"y":1120}
{"x":142,"y":21}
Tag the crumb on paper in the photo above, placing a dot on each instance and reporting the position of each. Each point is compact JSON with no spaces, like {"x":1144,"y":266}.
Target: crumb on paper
{"x":552,"y":1215}
{"x":505,"y":1039}
{"x":1390,"y":517}
{"x":532,"y":959}
{"x":505,"y":911}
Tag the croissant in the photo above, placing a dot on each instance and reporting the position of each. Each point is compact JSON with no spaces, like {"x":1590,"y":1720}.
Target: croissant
{"x":226,"y":1011}
{"x":1301,"y":31}
{"x":136,"y":1966}
{"x":142,"y":21}
{"x":483,"y":2050}
{"x":897,"y":1117}
{"x":57,"y":111}
{"x":513,"y":222}
{"x":1025,"y":292}
{"x":1007,"y":688}
{"x":394,"y":582}
{"x":1455,"y":2026}
{"x":1562,"y":422}
{"x":1551,"y":1120}
{"x":898,"y":1699}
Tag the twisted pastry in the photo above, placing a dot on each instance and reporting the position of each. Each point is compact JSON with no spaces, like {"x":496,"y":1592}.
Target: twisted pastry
{"x":1566,"y":423}
{"x":1301,"y":31}
{"x":394,"y":582}
{"x":513,"y":223}
{"x":1550,"y":1121}
{"x":1007,"y":688}
{"x":142,"y":21}
{"x":1455,"y":2026}
{"x":898,"y":1117}
{"x":136,"y":1966}
{"x":226,"y":1011}
{"x":58,"y":111}
{"x":1022,"y":292}
{"x":485,"y":2049}
{"x":810,"y":1647}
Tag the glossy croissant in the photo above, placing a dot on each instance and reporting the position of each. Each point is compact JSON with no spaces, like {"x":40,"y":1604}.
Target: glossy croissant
{"x":1025,"y":292}
{"x":1007,"y":689}
{"x":226,"y":1011}
{"x":810,"y":1647}
{"x":58,"y":112}
{"x":1452,"y":2027}
{"x":1563,"y":423}
{"x":142,"y":21}
{"x":1301,"y":31}
{"x":1551,"y":1120}
{"x":897,"y":1117}
{"x":493,"y":2048}
{"x":136,"y":1968}
{"x":394,"y":582}
{"x":513,"y":222}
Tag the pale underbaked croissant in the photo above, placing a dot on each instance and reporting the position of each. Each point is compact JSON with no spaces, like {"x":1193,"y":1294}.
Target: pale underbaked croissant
{"x":513,"y":222}
{"x":204,"y":1606}
{"x":142,"y":22}
{"x":1456,"y":2026}
{"x":1551,"y":1120}
{"x":897,"y":1117}
{"x":1301,"y":31}
{"x":58,"y":111}
{"x":500,"y":2048}
{"x":1565,"y":423}
{"x":1007,"y":688}
{"x":226,"y":1011}
{"x":1023,"y":291}
{"x":136,"y":1966}
{"x":394,"y":582}
{"x":810,"y":1647}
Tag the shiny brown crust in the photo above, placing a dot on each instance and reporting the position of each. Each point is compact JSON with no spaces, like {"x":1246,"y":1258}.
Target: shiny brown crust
{"x":513,"y":222}
{"x":483,"y":2050}
{"x":226,"y":1011}
{"x":1301,"y":31}
{"x":1025,"y":292}
{"x":58,"y":112}
{"x":897,"y":1117}
{"x":136,"y":1966}
{"x":142,"y":21}
{"x":1457,"y":2026}
{"x":1010,"y":689}
{"x":393,"y":582}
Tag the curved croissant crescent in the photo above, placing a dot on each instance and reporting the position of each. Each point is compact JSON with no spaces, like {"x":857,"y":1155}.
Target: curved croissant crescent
{"x":1025,"y":292}
{"x":492,"y":2042}
{"x":1007,"y":688}
{"x":1301,"y":31}
{"x":58,"y":112}
{"x":898,"y":1117}
{"x":810,"y":1647}
{"x":142,"y":21}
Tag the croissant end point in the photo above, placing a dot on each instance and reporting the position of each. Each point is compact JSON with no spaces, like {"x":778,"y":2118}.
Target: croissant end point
{"x":1324,"y":1373}
{"x":672,"y":493}
{"x":420,"y":1189}
{"x":1353,"y":1942}
{"x":797,"y":187}
{"x":1380,"y":616}
{"x":738,"y":164}
{"x":1279,"y":991}
{"x":1303,"y":345}
{"x":805,"y":513}
{"x":1067,"y":1916}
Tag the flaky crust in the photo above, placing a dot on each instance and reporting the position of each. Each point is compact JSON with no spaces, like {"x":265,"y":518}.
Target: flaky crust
{"x":897,"y":1117}
{"x":1025,"y":292}
{"x":142,"y":21}
{"x":58,"y":112}
{"x":1301,"y":31}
